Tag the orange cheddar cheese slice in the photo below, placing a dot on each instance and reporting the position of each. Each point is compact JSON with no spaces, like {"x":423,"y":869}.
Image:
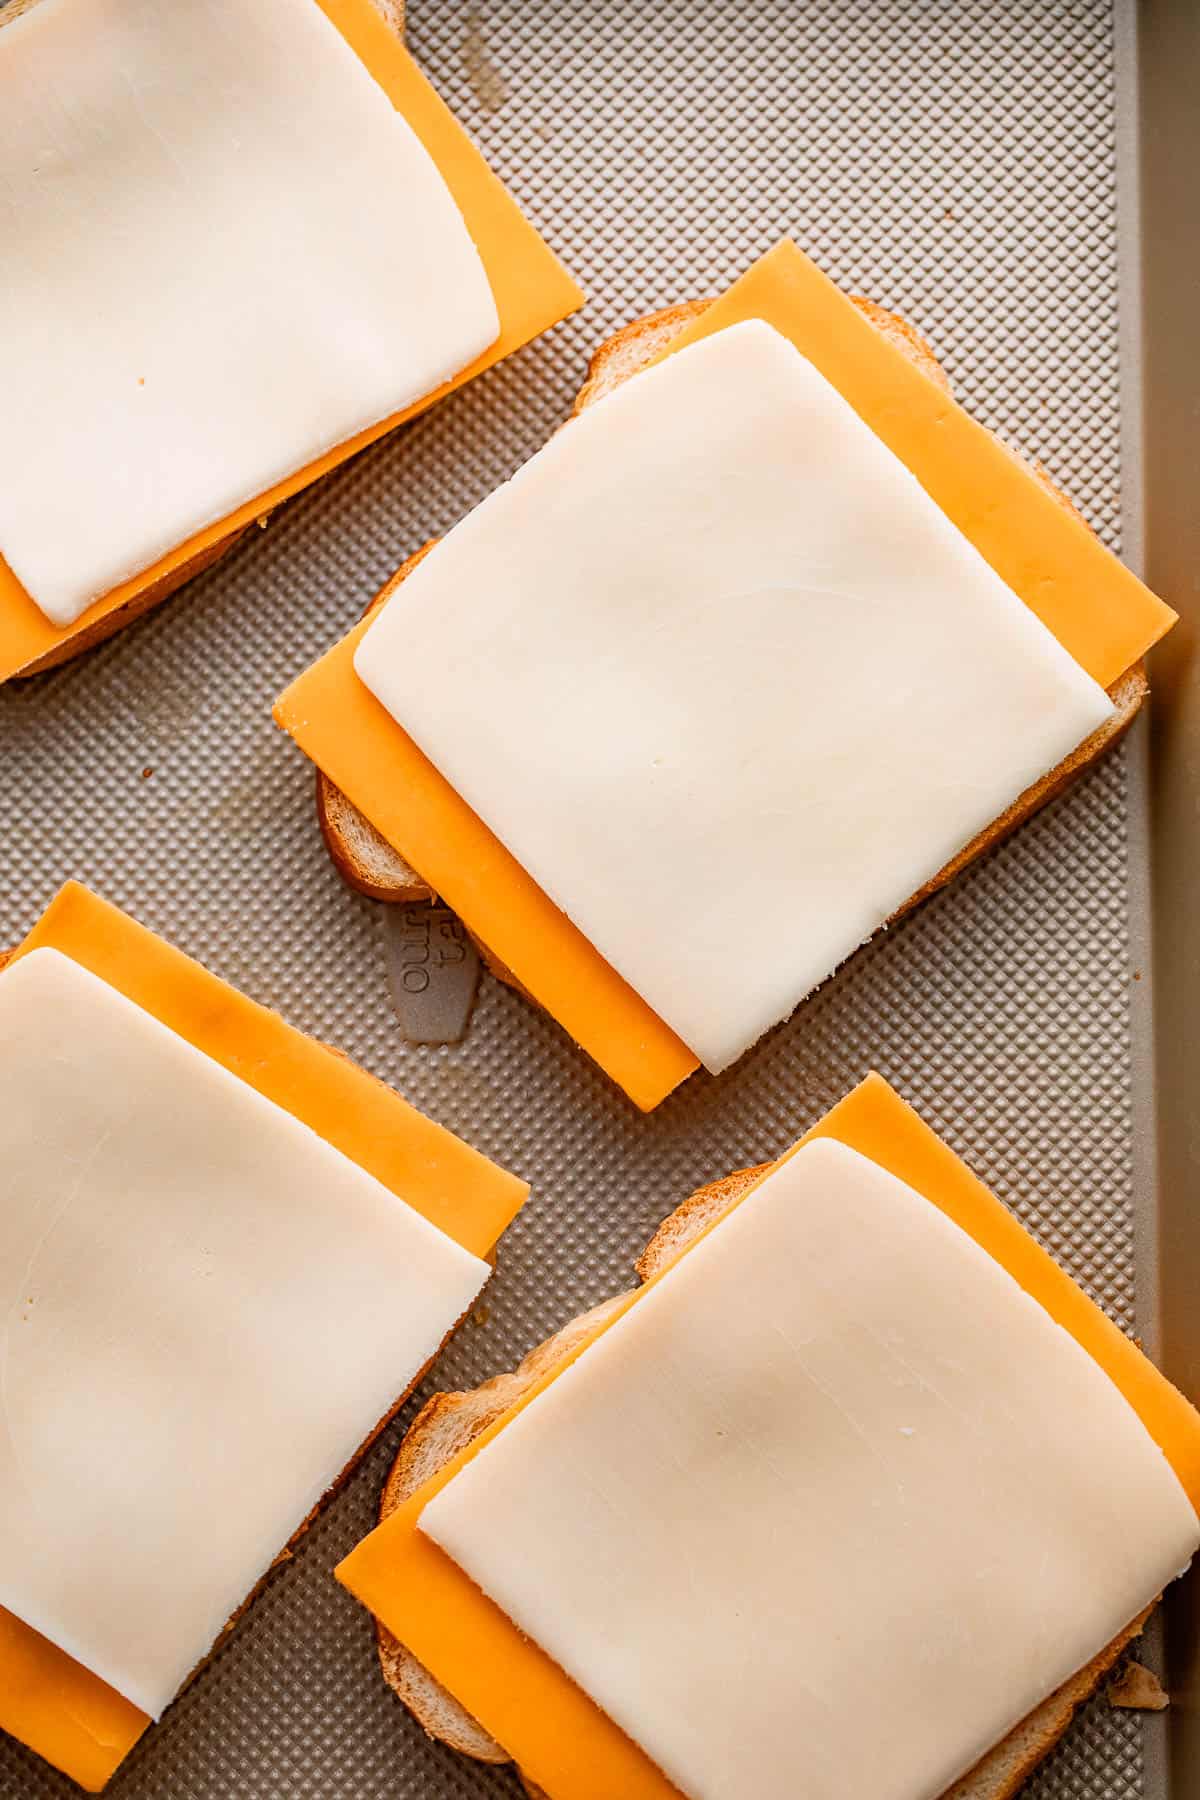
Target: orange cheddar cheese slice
{"x":560,"y":1738}
{"x":531,"y":288}
{"x":1101,"y":613}
{"x":60,"y":1709}
{"x":47,"y":1700}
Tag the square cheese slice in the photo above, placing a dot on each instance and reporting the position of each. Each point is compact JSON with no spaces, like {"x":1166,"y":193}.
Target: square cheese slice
{"x":227,"y":253}
{"x":717,"y":620}
{"x":834,"y":1505}
{"x":207,"y":1309}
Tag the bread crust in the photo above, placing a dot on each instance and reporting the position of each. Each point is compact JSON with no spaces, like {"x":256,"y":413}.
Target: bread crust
{"x":443,"y":1427}
{"x":14,"y":10}
{"x":448,"y":1423}
{"x":135,"y":608}
{"x":363,"y":858}
{"x":390,"y":877}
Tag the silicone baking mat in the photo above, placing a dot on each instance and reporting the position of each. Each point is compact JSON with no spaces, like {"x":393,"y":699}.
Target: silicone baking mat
{"x":956,"y":161}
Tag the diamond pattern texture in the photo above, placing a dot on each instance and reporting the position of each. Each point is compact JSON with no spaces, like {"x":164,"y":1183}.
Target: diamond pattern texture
{"x":952,"y":158}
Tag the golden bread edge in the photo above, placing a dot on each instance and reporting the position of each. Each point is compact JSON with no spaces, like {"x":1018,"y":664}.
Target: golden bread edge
{"x":449,"y":1422}
{"x":100,"y":630}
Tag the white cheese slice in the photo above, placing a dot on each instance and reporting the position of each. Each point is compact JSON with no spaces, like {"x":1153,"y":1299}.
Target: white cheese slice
{"x":204,"y":1312}
{"x":830,"y":1509}
{"x":224,"y":252}
{"x":715,"y":623}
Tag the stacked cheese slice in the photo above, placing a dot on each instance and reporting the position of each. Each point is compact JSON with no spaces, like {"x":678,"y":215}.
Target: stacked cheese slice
{"x":242,"y":238}
{"x":829,"y":1505}
{"x":225,"y":1254}
{"x":727,"y":673}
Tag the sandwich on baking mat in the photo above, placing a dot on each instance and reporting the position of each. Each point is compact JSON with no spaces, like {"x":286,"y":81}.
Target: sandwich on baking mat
{"x":241,"y":240}
{"x":857,"y":1497}
{"x":226,"y":1256}
{"x":771,"y":629}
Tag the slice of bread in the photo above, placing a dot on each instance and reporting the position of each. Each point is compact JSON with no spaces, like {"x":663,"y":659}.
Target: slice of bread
{"x":364,"y":859}
{"x":449,"y":1422}
{"x":368,"y":863}
{"x":392,"y":13}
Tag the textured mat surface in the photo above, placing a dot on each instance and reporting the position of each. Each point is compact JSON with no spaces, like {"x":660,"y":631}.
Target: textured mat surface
{"x":954,"y":160}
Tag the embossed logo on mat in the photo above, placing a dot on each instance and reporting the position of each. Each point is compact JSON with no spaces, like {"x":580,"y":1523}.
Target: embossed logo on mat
{"x":433,"y":972}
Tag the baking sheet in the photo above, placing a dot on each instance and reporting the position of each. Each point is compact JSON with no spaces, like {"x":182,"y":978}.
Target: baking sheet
{"x":957,"y":161}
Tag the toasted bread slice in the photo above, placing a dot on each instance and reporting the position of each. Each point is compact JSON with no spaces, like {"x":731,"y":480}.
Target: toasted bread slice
{"x":368,"y":863}
{"x":364,"y":859}
{"x":136,"y":608}
{"x":449,"y":1422}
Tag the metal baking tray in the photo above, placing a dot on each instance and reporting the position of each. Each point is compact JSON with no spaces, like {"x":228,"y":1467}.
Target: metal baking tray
{"x":975,"y":165}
